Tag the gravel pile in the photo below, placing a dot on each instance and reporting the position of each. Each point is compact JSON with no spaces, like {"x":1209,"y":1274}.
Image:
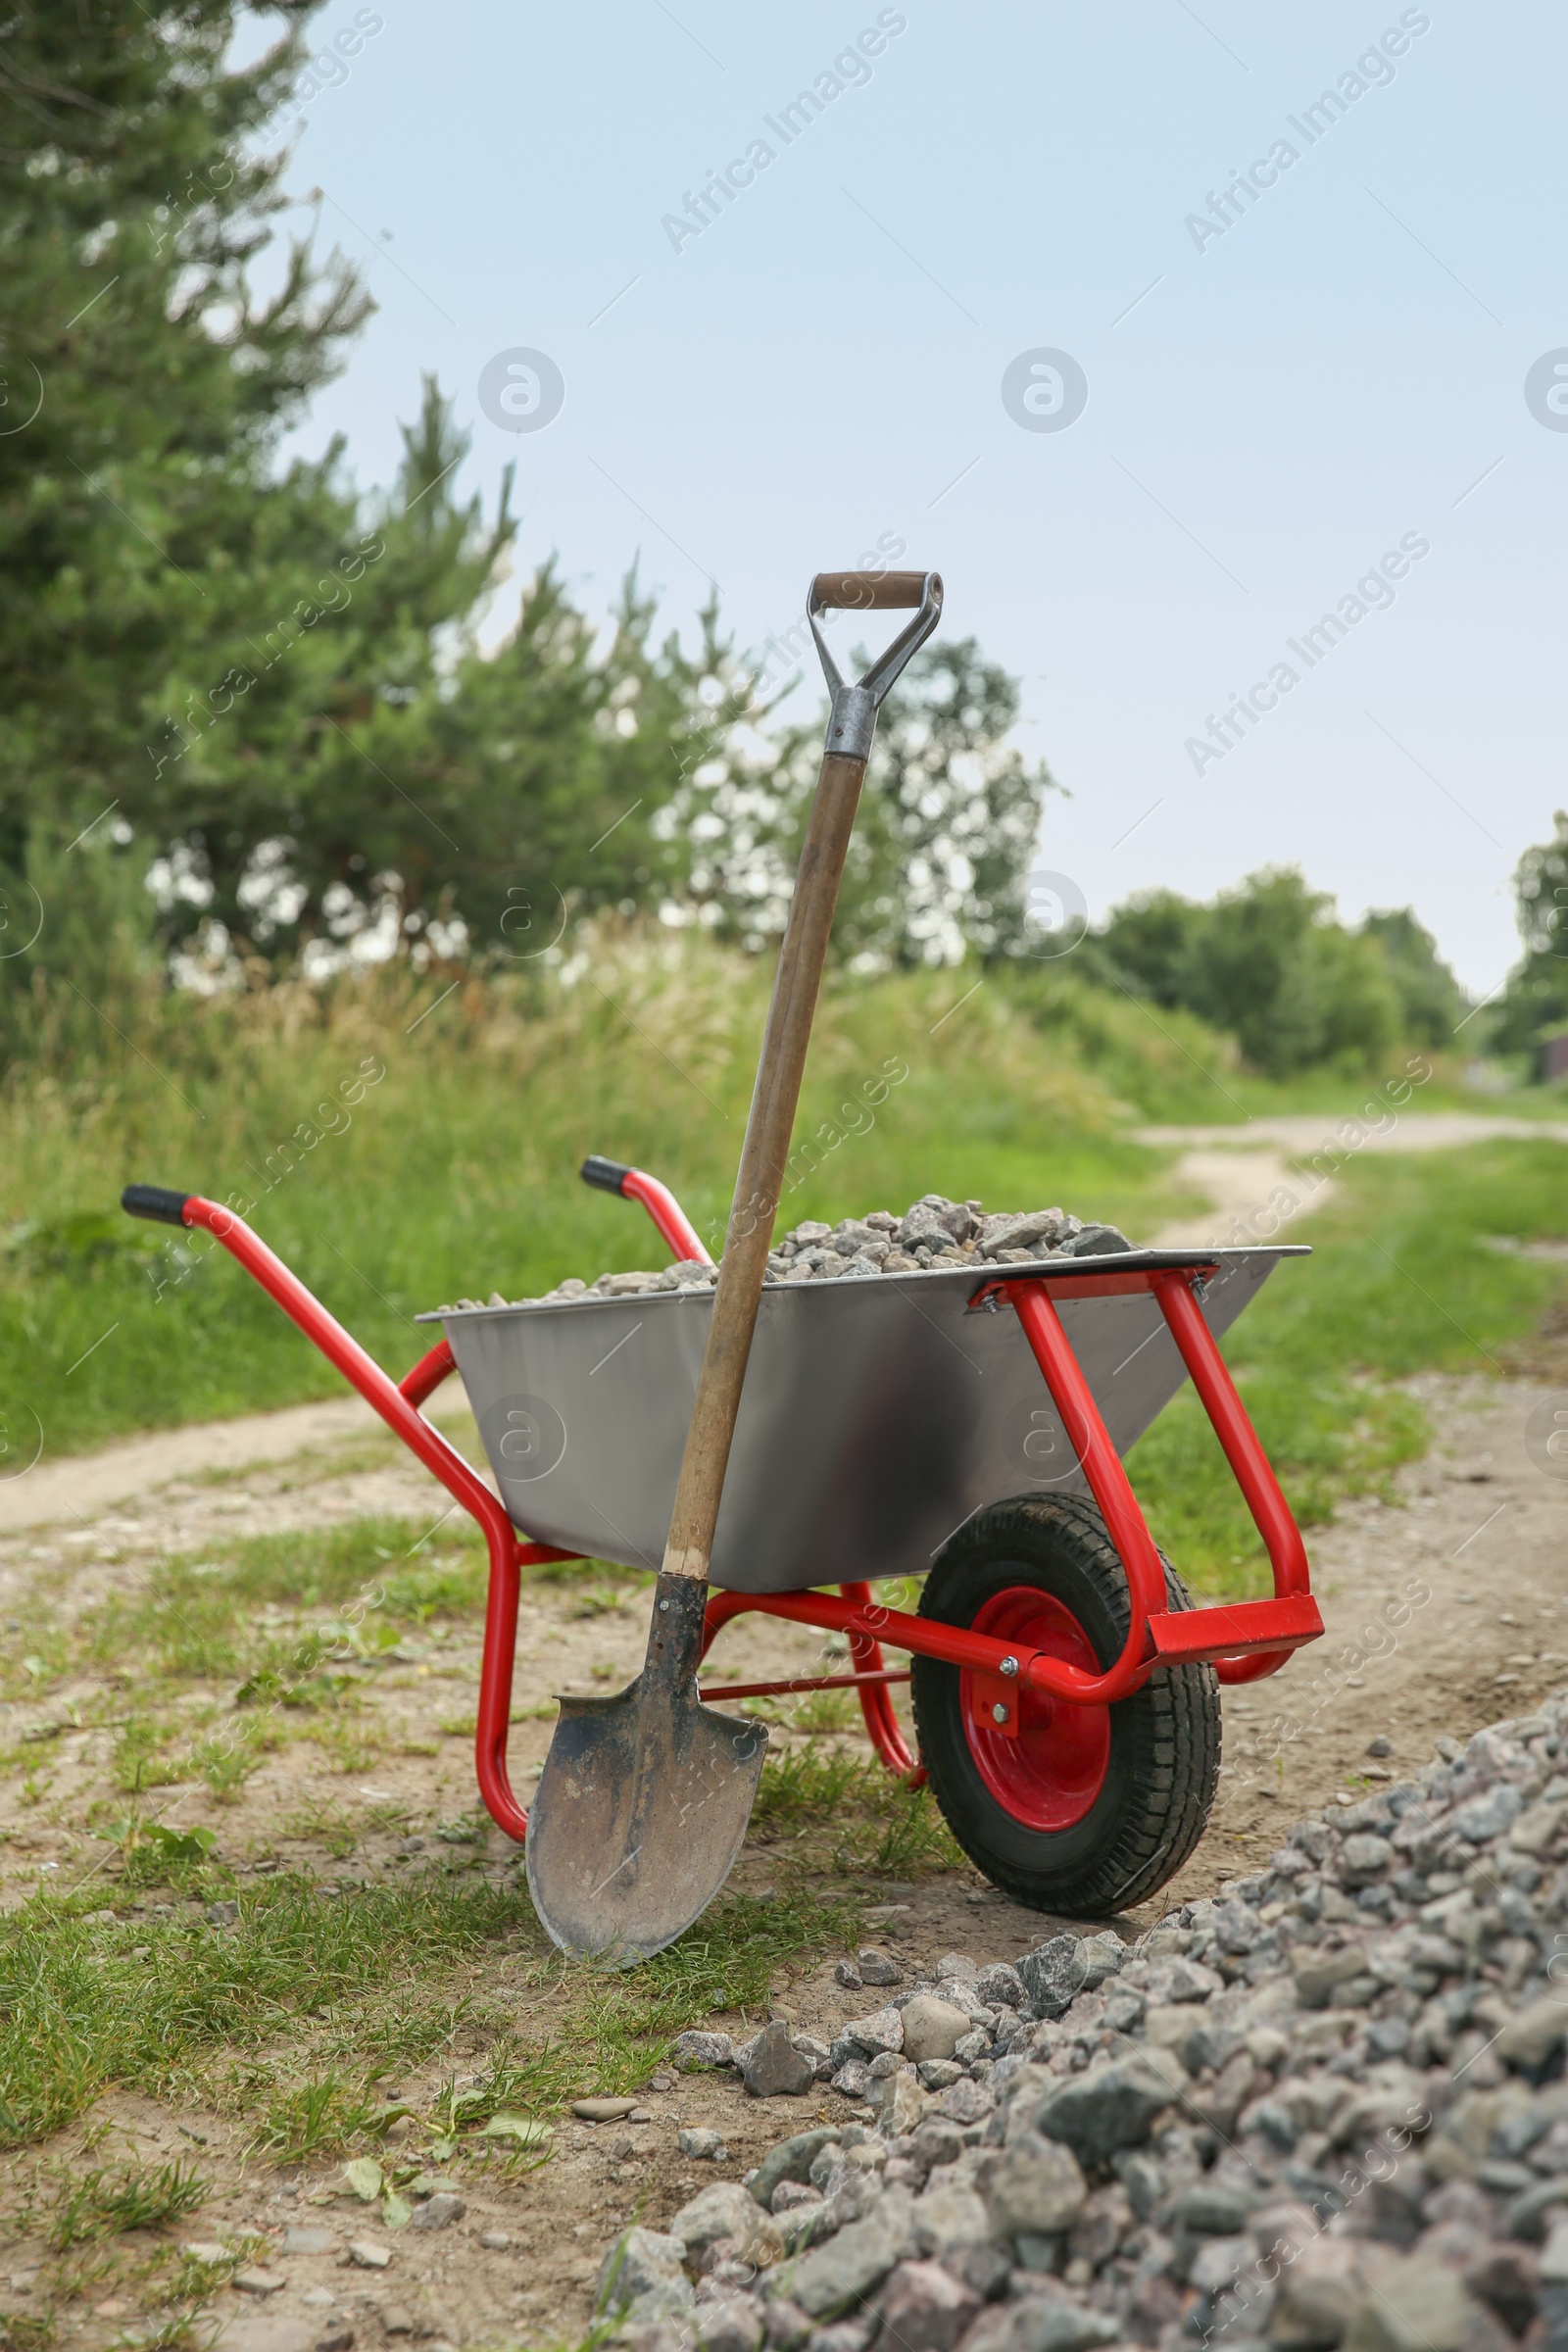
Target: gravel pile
{"x":1327,"y":2107}
{"x":934,"y":1232}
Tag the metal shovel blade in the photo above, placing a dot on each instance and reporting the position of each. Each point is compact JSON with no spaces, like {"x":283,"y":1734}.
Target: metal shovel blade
{"x":641,"y":1807}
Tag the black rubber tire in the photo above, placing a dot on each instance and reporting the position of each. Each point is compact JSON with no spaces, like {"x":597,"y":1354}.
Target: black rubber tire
{"x":1163,"y":1767}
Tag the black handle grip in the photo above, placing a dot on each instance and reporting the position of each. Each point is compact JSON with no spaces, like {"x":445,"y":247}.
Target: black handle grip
{"x":153,"y":1201}
{"x":605,"y":1175}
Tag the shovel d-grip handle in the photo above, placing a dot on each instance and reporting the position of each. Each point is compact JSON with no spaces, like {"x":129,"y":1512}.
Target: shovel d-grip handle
{"x":868,"y":591}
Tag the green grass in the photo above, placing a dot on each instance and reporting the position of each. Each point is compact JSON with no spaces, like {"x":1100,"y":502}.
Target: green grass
{"x":303,"y":2006}
{"x":1398,"y":1283}
{"x":107,"y":2199}
{"x":850,"y":1815}
{"x":455,"y":1172}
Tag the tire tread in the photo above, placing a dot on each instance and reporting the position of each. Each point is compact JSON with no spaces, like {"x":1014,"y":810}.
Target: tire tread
{"x":1178,"y":1727}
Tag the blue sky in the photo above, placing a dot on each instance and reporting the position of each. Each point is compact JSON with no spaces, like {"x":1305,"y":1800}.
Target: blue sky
{"x":1276,"y":400}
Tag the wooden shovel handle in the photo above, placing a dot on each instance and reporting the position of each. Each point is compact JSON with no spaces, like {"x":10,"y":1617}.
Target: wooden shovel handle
{"x":866,"y":590}
{"x":763,"y":1158}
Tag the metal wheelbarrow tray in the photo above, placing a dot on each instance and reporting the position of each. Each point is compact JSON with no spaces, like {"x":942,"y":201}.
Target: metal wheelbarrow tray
{"x":880,"y":1413}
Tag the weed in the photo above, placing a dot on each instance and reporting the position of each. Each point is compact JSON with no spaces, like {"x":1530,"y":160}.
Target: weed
{"x":29,"y":2331}
{"x":853,"y":1813}
{"x":103,"y":2202}
{"x":319,"y":2115}
{"x":818,"y":1712}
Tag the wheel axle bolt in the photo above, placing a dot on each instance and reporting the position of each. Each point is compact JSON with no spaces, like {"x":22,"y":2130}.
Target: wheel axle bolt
{"x":999,"y":1713}
{"x":1010,"y":1665}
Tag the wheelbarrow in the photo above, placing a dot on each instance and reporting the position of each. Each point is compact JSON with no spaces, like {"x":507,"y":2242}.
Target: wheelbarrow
{"x":959,"y":1426}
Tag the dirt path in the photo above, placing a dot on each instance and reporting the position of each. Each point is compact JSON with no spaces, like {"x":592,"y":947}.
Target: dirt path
{"x":1242,"y":1169}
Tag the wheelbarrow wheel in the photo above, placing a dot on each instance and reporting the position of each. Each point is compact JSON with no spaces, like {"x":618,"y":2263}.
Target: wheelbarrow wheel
{"x":1088,"y":1809}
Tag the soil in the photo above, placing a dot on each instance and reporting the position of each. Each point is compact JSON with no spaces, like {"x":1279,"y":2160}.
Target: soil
{"x":1444,"y":1610}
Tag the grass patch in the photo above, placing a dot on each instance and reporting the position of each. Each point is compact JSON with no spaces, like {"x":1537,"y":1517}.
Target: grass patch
{"x":305,"y":2005}
{"x":1400,"y":1284}
{"x":317,"y":2117}
{"x":78,"y":2013}
{"x":839,"y":1809}
{"x":109,"y":2199}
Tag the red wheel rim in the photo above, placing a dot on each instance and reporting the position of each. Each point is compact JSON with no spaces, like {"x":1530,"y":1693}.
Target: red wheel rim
{"x":1048,"y":1777}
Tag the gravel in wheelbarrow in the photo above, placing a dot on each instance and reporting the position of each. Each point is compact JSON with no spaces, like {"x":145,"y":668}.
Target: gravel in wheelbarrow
{"x":881,"y":1410}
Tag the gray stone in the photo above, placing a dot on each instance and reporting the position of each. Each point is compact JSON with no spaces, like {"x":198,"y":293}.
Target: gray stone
{"x":1320,"y":2293}
{"x":1219,"y":2262}
{"x":1364,"y":1857}
{"x":877,"y":1967}
{"x":932,"y":2028}
{"x":1038,"y":2187}
{"x":847,"y":1975}
{"x":900,"y":2103}
{"x":1539,"y":1827}
{"x":308,"y":2242}
{"x":220,"y":1915}
{"x":806,"y":2223}
{"x":1526,"y":2216}
{"x":368,"y":2254}
{"x":949,"y":2216}
{"x":1000,"y":1986}
{"x":939,"y":2073}
{"x":1053,"y":1973}
{"x":834,"y":2275}
{"x":968,"y":2102}
{"x":696,"y":2049}
{"x":253,"y":2281}
{"x":1319,"y":1975}
{"x":706,"y":2145}
{"x":1142,"y":2178}
{"x":791,"y":2160}
{"x":1104,"y":1955}
{"x":853,"y":2078}
{"x":729,"y":2323}
{"x":440,"y":2211}
{"x":638,"y":2260}
{"x":882,"y":2031}
{"x":1533,"y":2033}
{"x":772,"y":2068}
{"x":1048,"y":2321}
{"x":1215,"y":2208}
{"x":728,"y":2210}
{"x":1417,"y":2305}
{"x":787,"y":2327}
{"x":1487,"y":1817}
{"x":924,"y":2308}
{"x":1109,"y":2107}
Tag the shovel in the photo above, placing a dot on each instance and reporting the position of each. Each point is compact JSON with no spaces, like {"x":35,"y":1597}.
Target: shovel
{"x":644,"y":1798}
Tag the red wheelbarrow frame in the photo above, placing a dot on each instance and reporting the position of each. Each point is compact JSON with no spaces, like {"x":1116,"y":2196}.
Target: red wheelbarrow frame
{"x":1244,"y":1639}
